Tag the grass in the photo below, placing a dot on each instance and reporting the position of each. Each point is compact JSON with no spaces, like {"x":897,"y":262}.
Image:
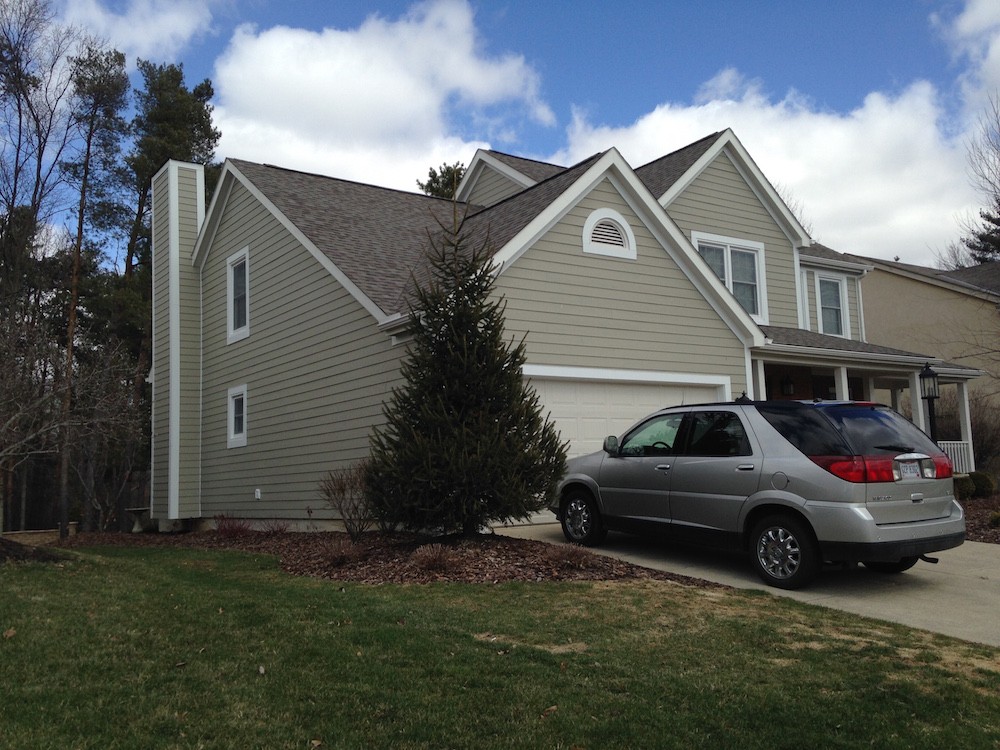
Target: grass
{"x":166,"y":648}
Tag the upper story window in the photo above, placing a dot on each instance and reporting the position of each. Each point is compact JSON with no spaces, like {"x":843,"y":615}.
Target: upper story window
{"x":238,"y":295}
{"x":831,"y":297}
{"x":237,"y":417}
{"x":607,"y":233}
{"x":739,"y":264}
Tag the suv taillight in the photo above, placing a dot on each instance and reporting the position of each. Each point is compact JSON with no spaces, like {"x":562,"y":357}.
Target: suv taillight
{"x":865,"y":469}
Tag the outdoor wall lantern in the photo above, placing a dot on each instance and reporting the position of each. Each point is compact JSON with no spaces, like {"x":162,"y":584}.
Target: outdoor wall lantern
{"x":930,"y":391}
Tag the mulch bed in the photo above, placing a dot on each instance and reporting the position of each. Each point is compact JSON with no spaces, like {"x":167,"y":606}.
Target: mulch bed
{"x":406,"y":558}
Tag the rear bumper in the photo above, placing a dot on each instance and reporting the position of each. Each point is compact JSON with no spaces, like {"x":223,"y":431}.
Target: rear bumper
{"x":889,"y":551}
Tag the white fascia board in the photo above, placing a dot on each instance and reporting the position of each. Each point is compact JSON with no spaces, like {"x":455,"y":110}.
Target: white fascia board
{"x":479,"y":162}
{"x":811,"y":261}
{"x":613,"y":166}
{"x":755,"y":178}
{"x":232,"y":173}
{"x":804,"y":354}
{"x":560,"y":372}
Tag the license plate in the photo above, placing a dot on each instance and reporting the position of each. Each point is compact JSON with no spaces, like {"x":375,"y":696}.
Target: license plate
{"x":909,"y":469}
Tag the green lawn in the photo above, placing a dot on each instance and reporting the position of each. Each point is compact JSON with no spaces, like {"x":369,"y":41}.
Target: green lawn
{"x":164,"y":648}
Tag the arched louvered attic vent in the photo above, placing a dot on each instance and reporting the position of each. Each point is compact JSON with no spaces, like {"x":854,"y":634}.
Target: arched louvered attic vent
{"x":607,"y":233}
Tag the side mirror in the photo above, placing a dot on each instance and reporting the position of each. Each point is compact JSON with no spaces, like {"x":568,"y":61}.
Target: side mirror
{"x":611,"y":445}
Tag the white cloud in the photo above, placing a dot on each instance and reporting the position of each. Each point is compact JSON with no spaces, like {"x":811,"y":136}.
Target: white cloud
{"x":379,"y":97}
{"x":882,"y":180}
{"x":150,"y":29}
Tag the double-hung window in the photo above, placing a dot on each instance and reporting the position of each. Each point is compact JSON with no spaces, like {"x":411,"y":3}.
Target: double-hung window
{"x":238,"y":296}
{"x":237,"y":417}
{"x":831,"y":300}
{"x":739,"y":265}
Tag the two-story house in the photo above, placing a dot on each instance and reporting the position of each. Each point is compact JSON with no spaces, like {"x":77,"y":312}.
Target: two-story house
{"x":279,"y":309}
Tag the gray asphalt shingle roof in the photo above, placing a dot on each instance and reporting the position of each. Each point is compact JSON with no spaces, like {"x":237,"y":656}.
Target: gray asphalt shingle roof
{"x":813,"y":340}
{"x":661,"y":174}
{"x":535,"y":170}
{"x":379,"y":237}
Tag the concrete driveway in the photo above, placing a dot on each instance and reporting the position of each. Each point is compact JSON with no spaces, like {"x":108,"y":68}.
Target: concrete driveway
{"x":960,"y":596}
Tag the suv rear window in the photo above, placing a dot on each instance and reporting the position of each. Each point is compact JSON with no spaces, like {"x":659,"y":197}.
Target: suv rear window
{"x":873,"y":430}
{"x":805,"y":428}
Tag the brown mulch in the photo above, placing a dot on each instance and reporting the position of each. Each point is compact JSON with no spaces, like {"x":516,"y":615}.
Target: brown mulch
{"x":401,"y":558}
{"x":979,"y":514}
{"x":405,"y":558}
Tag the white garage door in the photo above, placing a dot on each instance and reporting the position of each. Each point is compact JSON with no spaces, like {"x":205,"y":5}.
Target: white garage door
{"x":587,"y":411}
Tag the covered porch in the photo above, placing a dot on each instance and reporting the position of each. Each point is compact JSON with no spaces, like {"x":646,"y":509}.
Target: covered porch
{"x":796,"y":364}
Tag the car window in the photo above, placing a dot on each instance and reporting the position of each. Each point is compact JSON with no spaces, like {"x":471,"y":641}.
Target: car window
{"x":654,"y":437}
{"x":874,"y":430}
{"x":717,"y":433}
{"x":805,"y":428}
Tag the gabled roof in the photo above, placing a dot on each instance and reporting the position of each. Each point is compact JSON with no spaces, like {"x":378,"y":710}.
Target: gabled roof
{"x":501,"y":222}
{"x":374,"y":237}
{"x":535,"y":170}
{"x":660,"y":175}
{"x":981,"y":281}
{"x":822,"y":255}
{"x":703,"y":153}
{"x":985,"y":276}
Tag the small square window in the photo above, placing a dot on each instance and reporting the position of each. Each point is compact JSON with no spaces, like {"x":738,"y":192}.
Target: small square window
{"x":237,"y":417}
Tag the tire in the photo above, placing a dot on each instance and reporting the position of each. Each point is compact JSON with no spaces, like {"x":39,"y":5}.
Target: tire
{"x":891,"y":567}
{"x":784,"y":552}
{"x":581,"y":520}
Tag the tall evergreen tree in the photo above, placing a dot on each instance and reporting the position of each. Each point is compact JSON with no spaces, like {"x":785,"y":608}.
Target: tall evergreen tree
{"x":443,"y":182}
{"x":465,"y":441}
{"x":984,"y":243}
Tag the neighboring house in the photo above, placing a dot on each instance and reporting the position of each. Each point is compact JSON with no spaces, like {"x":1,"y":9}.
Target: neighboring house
{"x":952,"y":313}
{"x":279,"y":312}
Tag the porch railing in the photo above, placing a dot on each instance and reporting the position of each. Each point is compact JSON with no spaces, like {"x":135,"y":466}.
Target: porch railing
{"x":960,"y":453}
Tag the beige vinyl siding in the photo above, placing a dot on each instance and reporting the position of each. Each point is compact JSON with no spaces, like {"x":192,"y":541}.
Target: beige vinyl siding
{"x":812,"y":303}
{"x":161,"y":348}
{"x":938,"y":321}
{"x":174,"y":238}
{"x":719,"y":201}
{"x":190,"y":346}
{"x":315,"y":366}
{"x":492,"y":187}
{"x":587,"y":310}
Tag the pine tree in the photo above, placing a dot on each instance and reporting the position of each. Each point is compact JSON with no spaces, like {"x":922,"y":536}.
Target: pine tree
{"x":465,"y":441}
{"x":984,"y":243}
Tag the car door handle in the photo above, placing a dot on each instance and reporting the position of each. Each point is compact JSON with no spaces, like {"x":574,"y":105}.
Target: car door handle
{"x":663,"y":467}
{"x":744,"y":467}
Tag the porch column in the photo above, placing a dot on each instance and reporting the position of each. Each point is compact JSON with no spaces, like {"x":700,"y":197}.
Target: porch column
{"x":869,"y":389}
{"x":965,"y":420}
{"x":840,"y":378}
{"x":917,"y":403}
{"x":894,"y":400}
{"x":759,"y":383}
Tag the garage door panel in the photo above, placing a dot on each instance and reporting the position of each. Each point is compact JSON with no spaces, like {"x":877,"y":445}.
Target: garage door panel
{"x":585,"y":412}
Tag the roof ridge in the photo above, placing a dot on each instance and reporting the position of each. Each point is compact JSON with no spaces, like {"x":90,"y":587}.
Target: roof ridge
{"x":317,"y":175}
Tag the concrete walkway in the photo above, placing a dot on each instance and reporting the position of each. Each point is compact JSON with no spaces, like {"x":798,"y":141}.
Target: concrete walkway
{"x":959,"y":597}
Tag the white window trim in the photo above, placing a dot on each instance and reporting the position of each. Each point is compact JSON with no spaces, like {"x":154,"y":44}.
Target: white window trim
{"x":731,"y":243}
{"x":236,"y":334}
{"x":596,"y":248}
{"x":845,"y":311}
{"x":234,"y":440}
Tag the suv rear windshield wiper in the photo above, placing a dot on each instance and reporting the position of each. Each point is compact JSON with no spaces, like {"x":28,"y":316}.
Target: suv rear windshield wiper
{"x":900,"y":448}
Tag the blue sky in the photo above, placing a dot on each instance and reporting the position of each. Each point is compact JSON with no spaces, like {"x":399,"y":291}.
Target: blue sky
{"x":858,"y":111}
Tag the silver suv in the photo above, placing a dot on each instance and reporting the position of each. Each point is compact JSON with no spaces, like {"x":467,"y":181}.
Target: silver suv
{"x":792,"y":483}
